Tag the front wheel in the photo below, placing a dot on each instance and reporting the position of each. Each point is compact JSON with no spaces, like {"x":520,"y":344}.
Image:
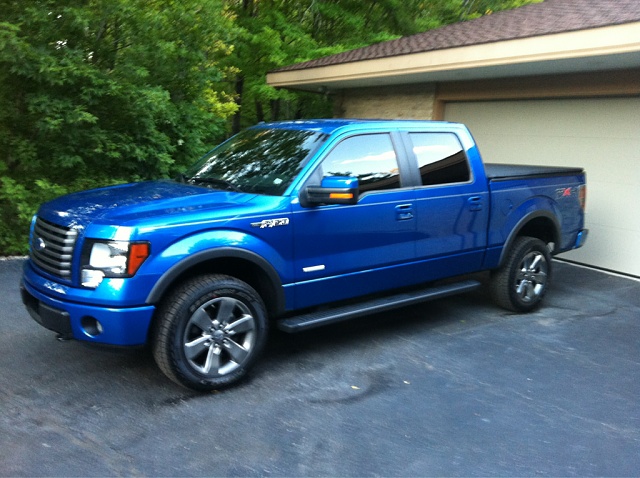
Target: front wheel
{"x":210,"y":332}
{"x":520,"y":284}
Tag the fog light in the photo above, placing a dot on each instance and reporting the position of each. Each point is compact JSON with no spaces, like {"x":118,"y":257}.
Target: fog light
{"x":91,"y":326}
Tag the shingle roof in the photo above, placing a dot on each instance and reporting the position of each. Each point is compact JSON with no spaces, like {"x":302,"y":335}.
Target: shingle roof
{"x":548,"y":17}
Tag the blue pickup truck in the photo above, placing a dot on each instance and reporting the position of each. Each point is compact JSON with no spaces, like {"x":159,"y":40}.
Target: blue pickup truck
{"x":296,"y":224}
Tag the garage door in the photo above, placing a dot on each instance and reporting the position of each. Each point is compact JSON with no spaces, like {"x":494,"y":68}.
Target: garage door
{"x":601,"y":135}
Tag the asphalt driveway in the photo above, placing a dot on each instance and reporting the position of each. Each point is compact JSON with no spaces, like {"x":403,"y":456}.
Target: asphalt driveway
{"x":455,"y":387}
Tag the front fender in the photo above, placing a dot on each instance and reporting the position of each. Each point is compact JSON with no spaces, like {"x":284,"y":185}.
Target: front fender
{"x":191,"y":251}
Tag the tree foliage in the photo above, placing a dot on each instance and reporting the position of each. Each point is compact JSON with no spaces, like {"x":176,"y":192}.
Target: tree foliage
{"x":274,"y":33}
{"x":102,"y":91}
{"x":94,"y":92}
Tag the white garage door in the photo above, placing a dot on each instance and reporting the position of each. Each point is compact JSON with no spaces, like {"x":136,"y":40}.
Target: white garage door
{"x":601,"y":135}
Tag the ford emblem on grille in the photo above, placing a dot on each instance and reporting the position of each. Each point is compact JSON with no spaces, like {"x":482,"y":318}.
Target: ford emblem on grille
{"x":40,"y":245}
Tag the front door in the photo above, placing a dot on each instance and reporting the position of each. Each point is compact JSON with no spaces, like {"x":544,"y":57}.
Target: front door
{"x":343,"y":251}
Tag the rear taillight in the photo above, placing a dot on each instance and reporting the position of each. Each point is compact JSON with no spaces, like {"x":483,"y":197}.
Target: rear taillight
{"x":582,"y":196}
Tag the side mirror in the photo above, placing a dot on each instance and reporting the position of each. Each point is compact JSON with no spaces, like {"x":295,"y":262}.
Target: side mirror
{"x":332,"y":190}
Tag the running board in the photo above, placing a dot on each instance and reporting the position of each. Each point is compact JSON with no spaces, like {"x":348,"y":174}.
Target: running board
{"x":311,"y":320}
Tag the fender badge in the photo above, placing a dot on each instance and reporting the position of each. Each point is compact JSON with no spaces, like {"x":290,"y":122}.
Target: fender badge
{"x":564,"y":192}
{"x":271,"y":223}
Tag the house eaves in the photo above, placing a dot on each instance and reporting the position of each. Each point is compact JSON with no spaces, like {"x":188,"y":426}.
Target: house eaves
{"x":557,"y":36}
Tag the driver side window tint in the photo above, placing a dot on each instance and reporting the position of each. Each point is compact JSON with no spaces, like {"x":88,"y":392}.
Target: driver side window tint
{"x":371,"y":158}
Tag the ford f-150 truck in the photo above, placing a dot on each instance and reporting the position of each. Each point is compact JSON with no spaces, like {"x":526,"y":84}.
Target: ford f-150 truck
{"x":297,"y":224}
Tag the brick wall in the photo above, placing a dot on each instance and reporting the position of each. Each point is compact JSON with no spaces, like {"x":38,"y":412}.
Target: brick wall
{"x":397,"y":102}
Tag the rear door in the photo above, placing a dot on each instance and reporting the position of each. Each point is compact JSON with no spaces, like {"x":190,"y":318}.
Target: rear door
{"x":452,"y":206}
{"x":342,"y":251}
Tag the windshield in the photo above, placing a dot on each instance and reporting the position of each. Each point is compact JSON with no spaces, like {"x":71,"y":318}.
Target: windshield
{"x":262,"y":161}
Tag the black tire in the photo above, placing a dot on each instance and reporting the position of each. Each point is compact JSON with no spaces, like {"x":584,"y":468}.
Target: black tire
{"x":209,"y":332}
{"x":520,"y":284}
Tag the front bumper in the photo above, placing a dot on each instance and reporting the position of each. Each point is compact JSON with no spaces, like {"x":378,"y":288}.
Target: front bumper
{"x":104,"y":325}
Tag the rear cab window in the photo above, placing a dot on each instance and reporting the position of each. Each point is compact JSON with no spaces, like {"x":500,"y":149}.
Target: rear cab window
{"x":441,"y":158}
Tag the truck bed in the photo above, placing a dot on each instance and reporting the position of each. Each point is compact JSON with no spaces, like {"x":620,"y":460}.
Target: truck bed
{"x":504,"y":172}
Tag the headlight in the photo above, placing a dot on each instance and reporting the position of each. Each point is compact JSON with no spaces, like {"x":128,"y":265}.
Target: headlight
{"x":102,"y":259}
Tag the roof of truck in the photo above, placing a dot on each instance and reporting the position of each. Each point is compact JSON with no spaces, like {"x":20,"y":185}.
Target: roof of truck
{"x":328,"y":126}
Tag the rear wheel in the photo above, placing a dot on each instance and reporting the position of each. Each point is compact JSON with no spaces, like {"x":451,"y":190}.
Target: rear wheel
{"x":210,"y":332}
{"x":520,"y":284}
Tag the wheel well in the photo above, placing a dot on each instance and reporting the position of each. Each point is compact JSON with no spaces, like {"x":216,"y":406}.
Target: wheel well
{"x":541,"y":228}
{"x":240,"y":268}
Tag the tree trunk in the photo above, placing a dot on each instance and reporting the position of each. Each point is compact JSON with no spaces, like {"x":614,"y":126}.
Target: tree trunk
{"x":259,"y":112}
{"x":236,"y":125}
{"x":275,"y":110}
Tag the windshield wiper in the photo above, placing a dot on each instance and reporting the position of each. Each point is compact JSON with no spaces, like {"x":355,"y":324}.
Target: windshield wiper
{"x":226,"y":185}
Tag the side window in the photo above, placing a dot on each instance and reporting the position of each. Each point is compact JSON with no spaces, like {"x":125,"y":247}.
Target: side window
{"x":370,"y":157}
{"x":441,"y":158}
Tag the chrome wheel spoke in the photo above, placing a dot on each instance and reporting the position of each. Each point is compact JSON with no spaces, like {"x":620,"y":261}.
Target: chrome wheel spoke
{"x":194,"y":348}
{"x":212,"y":364}
{"x":242,"y":325}
{"x":534,"y":263}
{"x":238,"y":353}
{"x":529,"y":291}
{"x":521,"y":288}
{"x":225,"y":309}
{"x":201,"y":319}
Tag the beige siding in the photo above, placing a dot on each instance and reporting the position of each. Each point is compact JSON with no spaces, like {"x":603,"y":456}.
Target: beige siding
{"x":399,"y":102}
{"x":601,"y":135}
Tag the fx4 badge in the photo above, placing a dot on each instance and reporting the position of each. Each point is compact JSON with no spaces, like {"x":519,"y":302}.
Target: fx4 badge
{"x":271,"y":223}
{"x":564,"y":192}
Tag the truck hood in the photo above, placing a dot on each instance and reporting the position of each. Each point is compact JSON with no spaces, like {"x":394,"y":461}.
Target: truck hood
{"x":133,"y":201}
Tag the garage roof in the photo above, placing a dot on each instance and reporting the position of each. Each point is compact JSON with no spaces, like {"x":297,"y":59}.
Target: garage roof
{"x":545,"y":37}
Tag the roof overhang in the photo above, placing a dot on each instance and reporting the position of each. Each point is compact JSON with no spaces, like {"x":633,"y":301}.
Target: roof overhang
{"x":606,"y":48}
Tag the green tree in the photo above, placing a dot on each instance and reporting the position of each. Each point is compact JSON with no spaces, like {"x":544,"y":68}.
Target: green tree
{"x":94,"y":92}
{"x":270,"y":34}
{"x":469,"y":9}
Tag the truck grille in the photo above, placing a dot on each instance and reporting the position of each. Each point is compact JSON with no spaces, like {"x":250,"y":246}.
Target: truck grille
{"x":52,"y":248}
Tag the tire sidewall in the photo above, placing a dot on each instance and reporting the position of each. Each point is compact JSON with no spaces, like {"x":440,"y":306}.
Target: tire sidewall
{"x":199,"y":293}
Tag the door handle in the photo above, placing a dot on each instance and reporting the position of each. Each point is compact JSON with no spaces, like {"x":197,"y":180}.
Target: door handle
{"x":404,"y":212}
{"x":475,"y":203}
